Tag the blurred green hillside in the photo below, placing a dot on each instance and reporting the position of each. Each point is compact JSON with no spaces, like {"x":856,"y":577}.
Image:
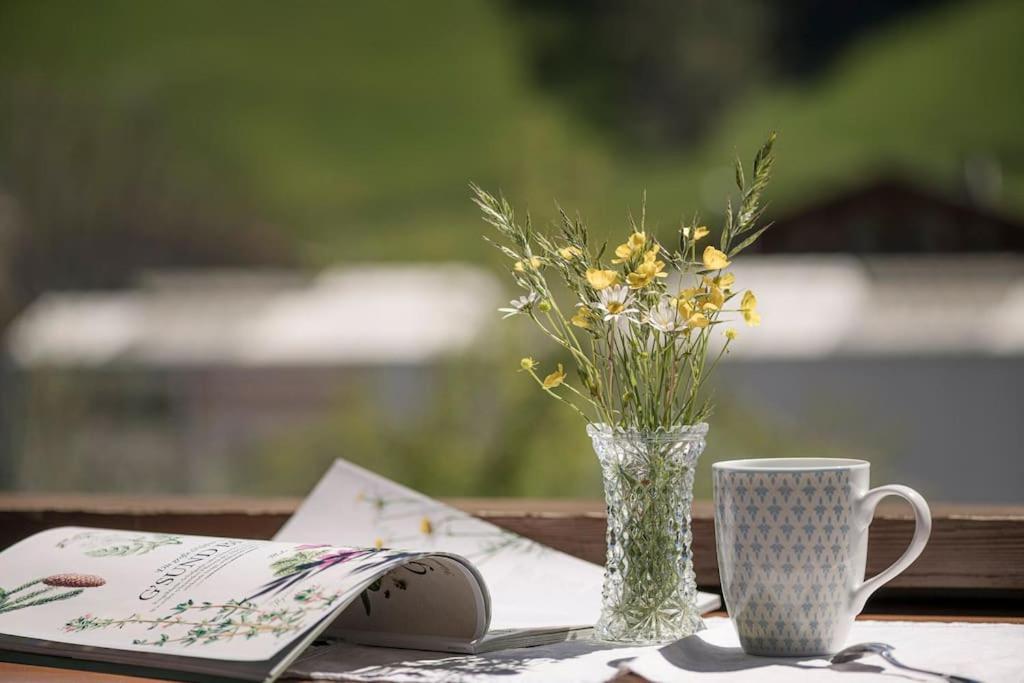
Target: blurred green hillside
{"x":353,"y":128}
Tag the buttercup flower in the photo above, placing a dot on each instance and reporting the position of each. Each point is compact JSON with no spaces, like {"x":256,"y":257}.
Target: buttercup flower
{"x":599,"y":279}
{"x":731,"y":334}
{"x":697,"y":320}
{"x":715,"y":299}
{"x":520,"y":305}
{"x":665,"y":317}
{"x":582,"y":317}
{"x":684,"y":306}
{"x":534,"y":263}
{"x":689,"y":294}
{"x":615,"y":301}
{"x":569,"y":253}
{"x":715,"y":259}
{"x":527,"y":363}
{"x":555,"y":378}
{"x":724,"y":281}
{"x":748,"y":306}
{"x":700,"y":233}
{"x":634,"y":244}
{"x":648,"y":270}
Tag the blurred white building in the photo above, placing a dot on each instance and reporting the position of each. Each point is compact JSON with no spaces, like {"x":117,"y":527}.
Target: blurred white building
{"x":160,"y":387}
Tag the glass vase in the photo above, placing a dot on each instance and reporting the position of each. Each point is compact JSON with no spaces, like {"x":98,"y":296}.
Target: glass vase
{"x":650,"y":592}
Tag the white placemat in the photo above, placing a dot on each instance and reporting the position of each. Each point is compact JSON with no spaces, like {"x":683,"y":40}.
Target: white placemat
{"x":993,"y":653}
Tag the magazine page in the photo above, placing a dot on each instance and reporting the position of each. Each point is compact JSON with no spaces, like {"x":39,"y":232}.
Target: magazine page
{"x":220,"y":598}
{"x":532,"y":586}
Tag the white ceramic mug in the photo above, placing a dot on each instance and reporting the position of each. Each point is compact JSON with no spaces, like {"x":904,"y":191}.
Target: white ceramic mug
{"x":792,"y":536}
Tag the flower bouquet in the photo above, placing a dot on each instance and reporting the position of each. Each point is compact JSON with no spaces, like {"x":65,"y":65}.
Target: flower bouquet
{"x":639,"y":332}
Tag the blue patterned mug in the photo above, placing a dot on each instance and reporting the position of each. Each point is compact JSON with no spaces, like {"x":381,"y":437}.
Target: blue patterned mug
{"x":792,"y":536}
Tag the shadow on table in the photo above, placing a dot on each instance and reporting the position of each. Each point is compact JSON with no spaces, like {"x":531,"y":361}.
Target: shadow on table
{"x":360,"y":663}
{"x":344,"y":661}
{"x":695,"y":655}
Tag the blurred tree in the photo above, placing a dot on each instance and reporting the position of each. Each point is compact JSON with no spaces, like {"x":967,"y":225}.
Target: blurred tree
{"x":88,"y":198}
{"x":656,"y":72}
{"x":651,"y":71}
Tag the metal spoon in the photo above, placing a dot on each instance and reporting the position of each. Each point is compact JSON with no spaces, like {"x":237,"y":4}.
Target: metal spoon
{"x":883,"y":650}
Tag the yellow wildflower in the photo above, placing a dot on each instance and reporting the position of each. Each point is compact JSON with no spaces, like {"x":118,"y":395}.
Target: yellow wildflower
{"x":378,"y":543}
{"x":626,"y":250}
{"x":749,"y":308}
{"x":569,"y":253}
{"x":700,"y":233}
{"x":534,"y":263}
{"x":426,"y":527}
{"x":648,"y":270}
{"x":599,"y":279}
{"x":643,"y":276}
{"x":555,"y":378}
{"x":582,"y":317}
{"x":689,"y":293}
{"x":697,"y":320}
{"x":731,"y":334}
{"x":723,"y":282}
{"x":716,"y":297}
{"x":685,"y":308}
{"x":715,"y":259}
{"x":527,"y":363}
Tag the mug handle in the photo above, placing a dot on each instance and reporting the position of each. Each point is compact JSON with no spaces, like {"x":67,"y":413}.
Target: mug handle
{"x":922,"y":530}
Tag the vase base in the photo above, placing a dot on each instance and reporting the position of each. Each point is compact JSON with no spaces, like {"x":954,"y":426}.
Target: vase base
{"x":659,"y":633}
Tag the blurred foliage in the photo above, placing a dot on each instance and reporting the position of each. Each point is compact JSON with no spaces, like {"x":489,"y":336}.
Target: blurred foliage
{"x":470,"y":442}
{"x":649,"y":72}
{"x":657,"y":73}
{"x":483,"y":433}
{"x":340,"y":123}
{"x":90,"y":203}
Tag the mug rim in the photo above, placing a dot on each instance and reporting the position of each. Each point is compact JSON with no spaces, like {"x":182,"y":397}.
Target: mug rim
{"x":789,"y":464}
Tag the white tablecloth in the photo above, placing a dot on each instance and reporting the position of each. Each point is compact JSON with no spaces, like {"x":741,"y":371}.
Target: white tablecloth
{"x":993,"y":653}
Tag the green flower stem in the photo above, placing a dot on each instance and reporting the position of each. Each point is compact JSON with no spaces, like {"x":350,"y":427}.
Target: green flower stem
{"x":649,"y":591}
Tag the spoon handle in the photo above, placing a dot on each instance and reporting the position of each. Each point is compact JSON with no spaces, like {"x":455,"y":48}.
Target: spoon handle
{"x":949,"y":677}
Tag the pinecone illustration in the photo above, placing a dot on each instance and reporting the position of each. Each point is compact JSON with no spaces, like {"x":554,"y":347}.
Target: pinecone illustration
{"x":75,"y":580}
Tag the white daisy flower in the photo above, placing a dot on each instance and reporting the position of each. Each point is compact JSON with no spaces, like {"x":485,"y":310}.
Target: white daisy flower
{"x":665,"y":317}
{"x":520,"y":305}
{"x":615,"y":301}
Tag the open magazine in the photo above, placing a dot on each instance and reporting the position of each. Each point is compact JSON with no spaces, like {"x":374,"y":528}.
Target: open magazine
{"x":205,"y":608}
{"x":222,"y":608}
